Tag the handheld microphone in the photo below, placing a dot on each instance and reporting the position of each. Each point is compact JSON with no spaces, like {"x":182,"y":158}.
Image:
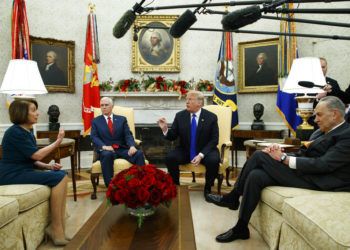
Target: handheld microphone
{"x":182,"y":24}
{"x":240,"y":18}
{"x":308,"y":84}
{"x":125,"y":22}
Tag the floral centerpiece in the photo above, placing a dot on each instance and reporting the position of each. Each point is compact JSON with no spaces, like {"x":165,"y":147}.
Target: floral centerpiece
{"x":128,"y":85}
{"x":141,"y":189}
{"x":204,"y":85}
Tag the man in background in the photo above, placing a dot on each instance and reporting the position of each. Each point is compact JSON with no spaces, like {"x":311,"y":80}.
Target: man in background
{"x":51,"y":73}
{"x":198,"y":131}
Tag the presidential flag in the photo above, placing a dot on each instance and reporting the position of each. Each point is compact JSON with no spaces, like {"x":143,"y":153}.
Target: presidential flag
{"x":286,"y":103}
{"x":91,"y":86}
{"x":225,"y":87}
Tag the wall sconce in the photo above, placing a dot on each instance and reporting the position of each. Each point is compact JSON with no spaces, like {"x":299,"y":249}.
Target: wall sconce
{"x":306,"y":69}
{"x":23,"y":79}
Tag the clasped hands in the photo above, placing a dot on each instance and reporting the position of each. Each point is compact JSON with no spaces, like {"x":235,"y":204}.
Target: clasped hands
{"x":131,"y":152}
{"x":274,"y":150}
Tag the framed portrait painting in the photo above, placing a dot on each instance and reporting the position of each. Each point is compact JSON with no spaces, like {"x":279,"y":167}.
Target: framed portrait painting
{"x":155,"y":49}
{"x":258,"y":66}
{"x":55,"y":60}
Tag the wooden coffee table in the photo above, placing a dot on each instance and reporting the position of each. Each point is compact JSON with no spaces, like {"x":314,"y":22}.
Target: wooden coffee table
{"x":111,"y":227}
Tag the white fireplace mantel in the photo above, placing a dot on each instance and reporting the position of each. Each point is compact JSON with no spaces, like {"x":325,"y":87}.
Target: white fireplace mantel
{"x":150,"y":106}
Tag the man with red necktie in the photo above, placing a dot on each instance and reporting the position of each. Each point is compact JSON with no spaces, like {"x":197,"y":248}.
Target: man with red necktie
{"x":113,"y":139}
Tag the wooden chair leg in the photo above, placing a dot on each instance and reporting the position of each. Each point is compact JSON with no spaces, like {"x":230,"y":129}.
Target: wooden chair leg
{"x":193,"y":177}
{"x":228,"y":176}
{"x":220,"y":180}
{"x":94,"y":181}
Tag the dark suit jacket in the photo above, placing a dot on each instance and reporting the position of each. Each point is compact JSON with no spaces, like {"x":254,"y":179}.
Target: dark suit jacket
{"x":53,"y":76}
{"x":207,"y":136}
{"x":101,"y":136}
{"x":265,"y":76}
{"x":326,"y":162}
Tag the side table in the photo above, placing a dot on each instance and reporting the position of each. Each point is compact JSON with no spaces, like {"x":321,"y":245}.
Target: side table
{"x":252,"y":134}
{"x":73,"y":134}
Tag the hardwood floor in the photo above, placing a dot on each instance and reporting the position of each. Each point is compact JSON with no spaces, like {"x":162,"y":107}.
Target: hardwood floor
{"x":208,"y":220}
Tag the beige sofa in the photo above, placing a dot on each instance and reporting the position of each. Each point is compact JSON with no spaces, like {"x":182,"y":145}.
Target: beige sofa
{"x":294,"y":218}
{"x":24,"y":214}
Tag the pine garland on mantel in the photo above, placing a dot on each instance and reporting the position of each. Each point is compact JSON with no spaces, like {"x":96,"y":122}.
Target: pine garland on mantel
{"x":155,"y":84}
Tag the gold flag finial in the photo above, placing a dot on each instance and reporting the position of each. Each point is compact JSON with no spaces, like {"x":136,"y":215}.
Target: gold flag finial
{"x":92,"y":7}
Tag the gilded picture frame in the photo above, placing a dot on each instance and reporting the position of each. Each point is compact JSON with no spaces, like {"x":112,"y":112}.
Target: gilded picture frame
{"x":155,"y":50}
{"x":258,"y":66}
{"x":55,"y":60}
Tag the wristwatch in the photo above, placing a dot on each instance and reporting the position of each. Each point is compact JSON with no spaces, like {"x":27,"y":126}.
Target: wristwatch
{"x":283,"y":157}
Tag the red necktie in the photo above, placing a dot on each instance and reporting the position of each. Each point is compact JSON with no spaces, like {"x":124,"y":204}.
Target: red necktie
{"x":110,"y":125}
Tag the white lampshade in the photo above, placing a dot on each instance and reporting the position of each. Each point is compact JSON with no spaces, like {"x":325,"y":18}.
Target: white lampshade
{"x":305,"y":69}
{"x":23,"y":78}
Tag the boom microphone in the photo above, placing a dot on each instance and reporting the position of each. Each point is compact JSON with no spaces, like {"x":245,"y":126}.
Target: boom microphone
{"x":125,"y":22}
{"x":240,"y":18}
{"x":308,"y":84}
{"x":182,"y":24}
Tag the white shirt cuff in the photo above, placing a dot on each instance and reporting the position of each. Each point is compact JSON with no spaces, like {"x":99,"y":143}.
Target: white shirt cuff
{"x":292,"y":162}
{"x":166,"y":132}
{"x":201,"y":155}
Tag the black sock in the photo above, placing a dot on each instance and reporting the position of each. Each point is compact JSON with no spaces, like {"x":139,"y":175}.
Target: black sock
{"x":241,"y":226}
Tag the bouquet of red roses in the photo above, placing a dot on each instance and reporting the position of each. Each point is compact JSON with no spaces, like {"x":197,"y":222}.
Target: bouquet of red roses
{"x":138,"y":186}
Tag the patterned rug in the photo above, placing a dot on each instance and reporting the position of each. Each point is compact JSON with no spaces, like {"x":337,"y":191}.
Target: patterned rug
{"x":84,"y":186}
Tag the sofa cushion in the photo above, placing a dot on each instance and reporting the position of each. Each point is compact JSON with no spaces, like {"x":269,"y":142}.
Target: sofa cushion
{"x":27,"y":195}
{"x":274,"y":196}
{"x":8,"y":210}
{"x":323,"y":220}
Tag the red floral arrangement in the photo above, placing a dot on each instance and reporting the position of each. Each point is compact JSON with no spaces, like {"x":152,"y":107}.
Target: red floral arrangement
{"x":139,"y":186}
{"x":128,"y":85}
{"x":161,"y":84}
{"x":204,"y":85}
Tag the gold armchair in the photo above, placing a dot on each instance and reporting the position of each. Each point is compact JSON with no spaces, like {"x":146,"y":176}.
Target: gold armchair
{"x":224,"y":115}
{"x":119,"y":164}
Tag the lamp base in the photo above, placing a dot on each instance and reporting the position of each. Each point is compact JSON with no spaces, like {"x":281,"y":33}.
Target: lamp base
{"x":303,"y":134}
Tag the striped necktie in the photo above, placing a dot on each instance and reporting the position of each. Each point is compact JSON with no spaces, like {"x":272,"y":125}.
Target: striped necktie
{"x":110,"y":125}
{"x":193,"y":152}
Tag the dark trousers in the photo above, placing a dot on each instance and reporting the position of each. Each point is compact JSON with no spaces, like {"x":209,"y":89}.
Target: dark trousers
{"x":107,"y":161}
{"x":179,"y":156}
{"x":260,"y":171}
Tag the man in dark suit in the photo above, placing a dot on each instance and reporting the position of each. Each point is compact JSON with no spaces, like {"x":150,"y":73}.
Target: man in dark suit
{"x":323,"y":164}
{"x":113,"y":139}
{"x":51,"y":73}
{"x":198,"y":131}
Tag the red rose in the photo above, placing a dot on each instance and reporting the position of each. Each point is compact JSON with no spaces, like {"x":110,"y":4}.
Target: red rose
{"x":134,"y":182}
{"x":148,"y":180}
{"x":143,"y":195}
{"x":121,"y":195}
{"x":150,"y":169}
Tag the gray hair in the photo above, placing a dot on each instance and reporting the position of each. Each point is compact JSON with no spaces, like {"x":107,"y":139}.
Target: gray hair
{"x":53,"y":53}
{"x":333,"y":102}
{"x":198,"y":94}
{"x":108,"y":99}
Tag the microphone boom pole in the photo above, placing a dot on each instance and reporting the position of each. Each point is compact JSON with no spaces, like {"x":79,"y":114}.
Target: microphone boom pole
{"x":334,"y":37}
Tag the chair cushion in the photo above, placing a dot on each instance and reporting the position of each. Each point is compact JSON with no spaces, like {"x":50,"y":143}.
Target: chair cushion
{"x":119,"y":165}
{"x":9,"y":210}
{"x":200,"y":168}
{"x":27,"y":195}
{"x":274,"y":196}
{"x":323,"y":220}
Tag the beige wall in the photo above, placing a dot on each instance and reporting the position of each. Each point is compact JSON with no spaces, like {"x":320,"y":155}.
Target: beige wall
{"x":66,"y":20}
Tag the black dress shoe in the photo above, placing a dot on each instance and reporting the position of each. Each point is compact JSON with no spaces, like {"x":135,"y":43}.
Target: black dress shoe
{"x":232,"y":235}
{"x":220,"y":201}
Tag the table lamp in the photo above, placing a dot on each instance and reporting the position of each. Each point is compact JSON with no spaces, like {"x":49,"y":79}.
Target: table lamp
{"x":305,"y":70}
{"x":23,"y":79}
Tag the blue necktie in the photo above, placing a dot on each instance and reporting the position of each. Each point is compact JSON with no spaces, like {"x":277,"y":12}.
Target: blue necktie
{"x":193,"y":137}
